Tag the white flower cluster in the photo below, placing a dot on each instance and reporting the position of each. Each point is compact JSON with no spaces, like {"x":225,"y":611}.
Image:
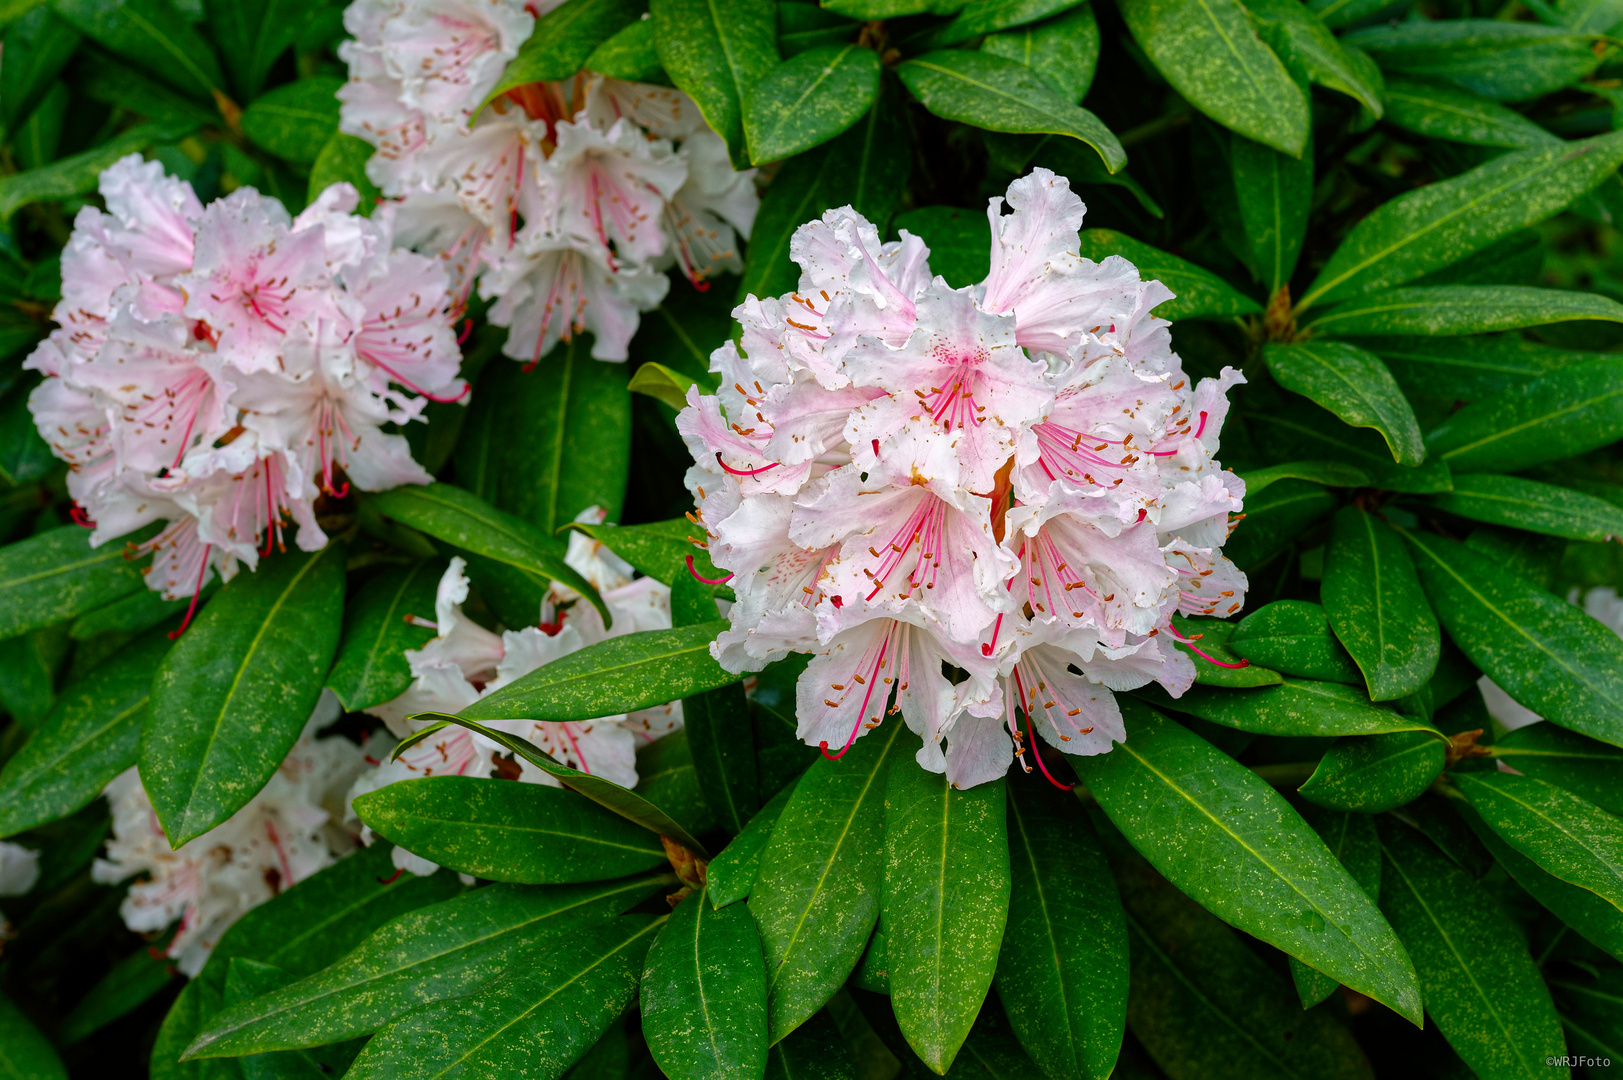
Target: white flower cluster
{"x":564,"y":201}
{"x":216,"y":368}
{"x":977,"y":500}
{"x":285,"y":834}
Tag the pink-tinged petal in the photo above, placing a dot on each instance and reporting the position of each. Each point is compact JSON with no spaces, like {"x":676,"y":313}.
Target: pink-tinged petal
{"x":845,"y":690}
{"x":1076,"y":573}
{"x":1071,"y":712}
{"x":611,"y":188}
{"x":979,"y":750}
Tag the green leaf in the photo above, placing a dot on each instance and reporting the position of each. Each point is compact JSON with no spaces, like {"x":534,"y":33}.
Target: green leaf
{"x":1462,"y":309}
{"x":450,"y":514}
{"x":562,"y":40}
{"x":1505,"y":61}
{"x":704,"y":993}
{"x":343,"y":160}
{"x":1210,"y":52}
{"x":663,"y":384}
{"x":723,"y":745}
{"x":253,"y":35}
{"x":77,"y":175}
{"x":979,"y":17}
{"x":807,"y":100}
{"x":39,"y":46}
{"x":731,"y":875}
{"x":536,"y":1019}
{"x":91,"y":735}
{"x":1542,"y":651}
{"x":988,"y":91}
{"x":1275,"y":193}
{"x":1307,"y":431}
{"x":112,"y":83}
{"x":1337,"y":14}
{"x":1592,"y":1012}
{"x":133,"y":980}
{"x":813,"y":1051}
{"x":1199,"y":293}
{"x":959,"y":241}
{"x":1296,"y":707}
{"x":1353,"y":384}
{"x":1471,"y":367}
{"x":946,"y":898}
{"x":1589,"y":768}
{"x":153,"y":35}
{"x":1062,"y":970}
{"x":371,"y":666}
{"x":1063,"y":51}
{"x":1440,"y":111}
{"x":1326,"y":62}
{"x":666,"y":778}
{"x":56,"y":575}
{"x":630,"y":54}
{"x":1441,"y":223}
{"x":24,"y":1052}
{"x":1367,"y":774}
{"x":1327,"y":473}
{"x":1275,"y":519}
{"x":231,"y":697}
{"x":1293,"y":637}
{"x":1230,"y":841}
{"x":246,"y":979}
{"x":295,"y":121}
{"x":504,"y":831}
{"x":816,"y":897}
{"x":659,"y":549}
{"x":715,"y":51}
{"x":1567,"y":836}
{"x":1212,"y":636}
{"x":28,"y":667}
{"x":1532,"y":505}
{"x":1481,"y":987}
{"x":423,"y":956}
{"x":1351,"y":838}
{"x":1555,"y":416}
{"x":1376,"y":606}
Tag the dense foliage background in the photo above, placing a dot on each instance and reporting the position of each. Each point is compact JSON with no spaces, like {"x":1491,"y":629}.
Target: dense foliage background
{"x":1400,"y":220}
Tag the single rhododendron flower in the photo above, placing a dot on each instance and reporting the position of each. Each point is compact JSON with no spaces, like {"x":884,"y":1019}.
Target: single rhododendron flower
{"x":221,"y":368}
{"x":978,"y":507}
{"x":563,"y":202}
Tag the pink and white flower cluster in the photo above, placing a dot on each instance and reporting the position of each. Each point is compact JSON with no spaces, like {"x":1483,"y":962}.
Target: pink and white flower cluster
{"x":988,"y":502}
{"x":564,"y":201}
{"x":218,"y":368}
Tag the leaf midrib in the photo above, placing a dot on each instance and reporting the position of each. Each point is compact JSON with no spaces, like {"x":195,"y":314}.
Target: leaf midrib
{"x":1501,"y":433}
{"x":1581,"y":842}
{"x":63,"y":568}
{"x":784,"y":112}
{"x":1075,"y":1037}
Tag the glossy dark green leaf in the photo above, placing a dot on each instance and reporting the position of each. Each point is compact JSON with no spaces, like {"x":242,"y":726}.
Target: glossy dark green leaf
{"x":1211,"y":636}
{"x":1442,"y":223}
{"x":28,"y":668}
{"x":134,"y":613}
{"x":1469,"y":367}
{"x":1204,"y":1005}
{"x":562,"y":40}
{"x":1565,"y":758}
{"x":1338,"y":14}
{"x":1532,"y":505}
{"x":704,"y":993}
{"x":813,"y":1051}
{"x":716,"y":51}
{"x":1062,"y":970}
{"x":1356,"y":386}
{"x":1371,"y":773}
{"x":536,"y":1019}
{"x":1293,"y":637}
{"x":1308,"y":432}
{"x":24,"y":1052}
{"x":807,"y":100}
{"x":1288,"y":23}
{"x":458,"y":518}
{"x":1481,"y":987}
{"x":153,"y":35}
{"x":1296,"y":707}
{"x":731,"y":875}
{"x":1440,"y":111}
{"x":1376,"y":606}
{"x":371,"y":667}
{"x":1063,"y":50}
{"x":1592,"y":1013}
{"x":91,"y":735}
{"x":1505,"y":61}
{"x":295,"y":121}
{"x":112,"y":83}
{"x":816,"y":897}
{"x":39,"y":46}
{"x":946,"y":898}
{"x":980,"y":17}
{"x":990,"y":92}
{"x":1567,"y":836}
{"x":1276,"y":518}
{"x":231,"y":697}
{"x":1226,"y":838}
{"x":959,"y":241}
{"x":505,"y":831}
{"x":1274,"y":192}
{"x":423,"y":956}
{"x":663,"y":384}
{"x":1199,"y":293}
{"x":77,"y":174}
{"x":718,"y":727}
{"x":246,"y":978}
{"x":1351,"y":838}
{"x":253,"y":34}
{"x":630,"y":54}
{"x":659,"y":549}
{"x":57,"y":575}
{"x":1555,"y":416}
{"x":1462,"y":309}
{"x":1542,"y":651}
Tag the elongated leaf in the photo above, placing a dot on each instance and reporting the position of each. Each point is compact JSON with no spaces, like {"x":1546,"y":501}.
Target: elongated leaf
{"x":295,"y":121}
{"x":1310,"y":432}
{"x":39,"y":46}
{"x":1356,"y":386}
{"x":1351,"y":838}
{"x":535,"y":1020}
{"x":91,"y":735}
{"x":562,"y":40}
{"x":253,"y":34}
{"x":816,"y":897}
{"x":1588,"y":768}
{"x":24,"y":1051}
{"x":153,"y":35}
{"x":450,"y":514}
{"x":1481,"y":987}
{"x":504,"y":831}
{"x":1274,"y":192}
{"x":718,"y":727}
{"x":1367,"y":774}
{"x":813,"y":1051}
{"x":1291,"y":26}
{"x":663,"y":384}
{"x":1276,"y":518}
{"x":1234,"y":844}
{"x":1062,"y":970}
{"x":716,"y":51}
{"x":1569,"y":837}
{"x":807,"y":100}
{"x":246,"y":979}
{"x":57,"y":575}
{"x":371,"y":667}
{"x":1295,"y":707}
{"x":1550,"y":418}
{"x":1376,"y":606}
{"x":704,"y":993}
{"x":980,"y":17}
{"x":1470,"y":367}
{"x":231,"y":697}
{"x":1505,"y":61}
{"x":1063,"y":51}
{"x":630,"y":54}
{"x":1442,"y":223}
{"x":1293,"y":637}
{"x":1534,"y":506}
{"x":731,"y":874}
{"x":946,"y":898}
{"x":343,"y":160}
{"x":1462,"y":309}
{"x":1543,"y":652}
{"x":1200,"y":294}
{"x":989,"y":92}
{"x":133,"y":980}
{"x":660,"y":550}
{"x":1439,"y":111}
{"x":436,"y":952}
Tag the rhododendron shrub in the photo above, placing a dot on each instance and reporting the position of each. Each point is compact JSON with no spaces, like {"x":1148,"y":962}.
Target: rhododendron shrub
{"x":868,"y":538}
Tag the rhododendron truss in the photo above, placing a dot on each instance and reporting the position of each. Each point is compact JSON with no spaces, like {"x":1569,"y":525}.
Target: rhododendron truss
{"x":222,"y":369}
{"x":564,"y":202}
{"x":978,"y":507}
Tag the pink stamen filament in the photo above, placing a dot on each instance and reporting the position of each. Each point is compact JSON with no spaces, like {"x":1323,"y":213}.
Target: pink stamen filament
{"x":872,"y":681}
{"x":197,"y":590}
{"x":742,"y":472}
{"x":1028,"y":705}
{"x":705,"y":580}
{"x":1202,"y":653}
